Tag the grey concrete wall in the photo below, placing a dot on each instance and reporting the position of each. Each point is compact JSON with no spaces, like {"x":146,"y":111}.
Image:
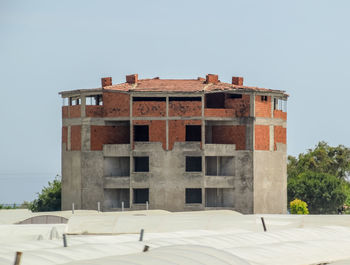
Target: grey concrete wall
{"x":92,"y":179}
{"x":270,"y":181}
{"x":71,"y":179}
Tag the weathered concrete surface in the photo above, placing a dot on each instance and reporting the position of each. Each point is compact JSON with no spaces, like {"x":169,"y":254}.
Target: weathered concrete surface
{"x":270,"y":181}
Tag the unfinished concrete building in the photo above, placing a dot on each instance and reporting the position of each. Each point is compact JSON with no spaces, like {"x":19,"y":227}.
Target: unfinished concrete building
{"x":176,"y":145}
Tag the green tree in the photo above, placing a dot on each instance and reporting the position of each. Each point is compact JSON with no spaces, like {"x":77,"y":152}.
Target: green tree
{"x":322,"y":159}
{"x":324,"y":193}
{"x":49,"y":199}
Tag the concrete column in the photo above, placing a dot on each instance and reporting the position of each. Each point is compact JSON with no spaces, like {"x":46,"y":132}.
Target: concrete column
{"x":272,"y":138}
{"x":68,"y":138}
{"x":131,"y":148}
{"x":82,"y":106}
{"x":272,"y":106}
{"x":167,"y":123}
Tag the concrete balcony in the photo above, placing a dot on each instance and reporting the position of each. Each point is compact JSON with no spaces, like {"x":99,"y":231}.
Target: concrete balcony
{"x":116,"y":150}
{"x":219,"y":181}
{"x":116,"y":182}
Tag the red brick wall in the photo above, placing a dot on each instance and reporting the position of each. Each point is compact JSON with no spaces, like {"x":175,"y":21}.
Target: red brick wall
{"x":240,"y":106}
{"x":75,"y":138}
{"x":185,"y":108}
{"x":157,"y":131}
{"x":262,"y":137}
{"x":230,"y":134}
{"x":93,"y":111}
{"x":280,"y":135}
{"x":74,"y":111}
{"x":64,"y":112}
{"x":148,"y":109}
{"x":65,"y":135}
{"x":116,"y":104}
{"x":279,"y":114}
{"x":219,"y":113}
{"x":101,"y":135}
{"x":262,"y":108}
{"x":177,"y":130}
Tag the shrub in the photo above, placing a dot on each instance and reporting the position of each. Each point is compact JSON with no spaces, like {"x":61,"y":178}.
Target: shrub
{"x":49,"y":199}
{"x":298,"y":207}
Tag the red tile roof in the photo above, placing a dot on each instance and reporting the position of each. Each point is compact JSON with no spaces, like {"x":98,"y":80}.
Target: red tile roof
{"x":182,"y":85}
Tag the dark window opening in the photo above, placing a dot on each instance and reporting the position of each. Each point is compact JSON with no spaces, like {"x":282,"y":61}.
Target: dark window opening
{"x":263,"y":98}
{"x":141,"y":195}
{"x":193,"y":133}
{"x":215,"y":100}
{"x":141,"y":164}
{"x":116,"y":198}
{"x":184,"y":99}
{"x":193,"y":164}
{"x":193,"y":195}
{"x":234,"y":96}
{"x":148,"y":99}
{"x":141,"y":133}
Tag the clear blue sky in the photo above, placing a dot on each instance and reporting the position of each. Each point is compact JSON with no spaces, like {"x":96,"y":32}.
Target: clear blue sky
{"x":49,"y":46}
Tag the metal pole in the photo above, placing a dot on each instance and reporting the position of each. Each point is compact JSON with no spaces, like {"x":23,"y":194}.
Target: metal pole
{"x":147,"y":205}
{"x":73,"y":208}
{"x":18,"y":258}
{"x":98,"y":206}
{"x":263,"y":223}
{"x":64,"y":240}
{"x":122,"y":206}
{"x":141,"y":235}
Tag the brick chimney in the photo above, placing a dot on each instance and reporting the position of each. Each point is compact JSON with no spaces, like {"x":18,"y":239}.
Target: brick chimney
{"x":106,"y":81}
{"x":237,"y":80}
{"x":210,"y":78}
{"x":132,"y":79}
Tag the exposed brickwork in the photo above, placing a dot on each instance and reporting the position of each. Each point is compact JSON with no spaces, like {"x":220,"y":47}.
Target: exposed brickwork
{"x":75,"y":138}
{"x":149,"y":109}
{"x":93,"y":111}
{"x":235,"y":134}
{"x":185,"y":108}
{"x":218,"y":112}
{"x":240,"y":106}
{"x":210,"y":78}
{"x":279,"y":114}
{"x":106,"y":81}
{"x":157,"y":131}
{"x":177,"y":130}
{"x":74,"y":111}
{"x":238,"y":81}
{"x":116,"y":104}
{"x":132,"y":79}
{"x":262,"y":108}
{"x":64,"y":112}
{"x":262,"y":137}
{"x":101,"y":135}
{"x":65,"y":135}
{"x":280,"y":135}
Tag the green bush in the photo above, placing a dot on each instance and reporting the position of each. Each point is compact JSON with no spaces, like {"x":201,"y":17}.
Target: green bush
{"x":49,"y":199}
{"x":298,"y":207}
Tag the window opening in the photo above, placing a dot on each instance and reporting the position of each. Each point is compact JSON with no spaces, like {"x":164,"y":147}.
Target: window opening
{"x":193,"y":133}
{"x":193,"y":195}
{"x":141,"y":195}
{"x":141,"y":164}
{"x":193,"y":164}
{"x":234,"y":96}
{"x":263,"y":98}
{"x":141,"y":133}
{"x":185,"y":99}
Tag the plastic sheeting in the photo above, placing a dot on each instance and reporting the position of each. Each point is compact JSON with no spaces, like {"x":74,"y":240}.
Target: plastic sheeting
{"x":182,"y":238}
